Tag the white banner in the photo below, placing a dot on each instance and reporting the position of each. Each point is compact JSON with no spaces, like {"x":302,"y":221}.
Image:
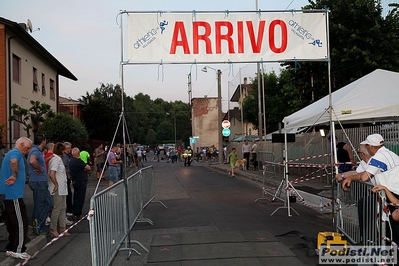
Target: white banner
{"x":226,"y":37}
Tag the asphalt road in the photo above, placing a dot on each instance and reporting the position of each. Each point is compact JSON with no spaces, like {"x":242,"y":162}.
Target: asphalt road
{"x":198,"y":199}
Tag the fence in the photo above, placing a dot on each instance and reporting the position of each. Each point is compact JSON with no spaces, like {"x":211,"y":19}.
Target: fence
{"x":359,"y":214}
{"x":115,"y":210}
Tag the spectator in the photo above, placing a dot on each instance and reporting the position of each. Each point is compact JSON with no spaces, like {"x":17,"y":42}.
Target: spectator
{"x":254,"y":150}
{"x":85,"y":156}
{"x":58,"y":189}
{"x":381,"y":161}
{"x":78,"y":170}
{"x":246,"y":151}
{"x":113,"y":164}
{"x":232,"y":159}
{"x":12,"y":186}
{"x":144,"y":154}
{"x":344,"y":157}
{"x":99,"y":160}
{"x":66,"y":157}
{"x":42,"y":201}
{"x":139,"y":158}
{"x":48,"y":153}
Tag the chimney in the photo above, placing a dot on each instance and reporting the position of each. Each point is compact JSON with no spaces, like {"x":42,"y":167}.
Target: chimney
{"x":245,"y":81}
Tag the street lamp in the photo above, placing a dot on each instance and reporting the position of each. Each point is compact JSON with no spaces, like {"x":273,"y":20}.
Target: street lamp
{"x":220,"y":139}
{"x":174,"y":120}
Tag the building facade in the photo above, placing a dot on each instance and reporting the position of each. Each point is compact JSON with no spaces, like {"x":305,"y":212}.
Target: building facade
{"x":27,"y":72}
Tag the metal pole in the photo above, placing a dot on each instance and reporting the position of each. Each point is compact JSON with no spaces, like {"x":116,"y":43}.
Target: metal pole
{"x":220,"y":137}
{"x":174,"y":117}
{"x":260,"y":128}
{"x":264,"y":102}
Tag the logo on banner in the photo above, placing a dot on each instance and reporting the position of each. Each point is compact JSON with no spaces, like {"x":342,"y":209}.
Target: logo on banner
{"x":148,"y":38}
{"x":303,"y":33}
{"x":162,"y":25}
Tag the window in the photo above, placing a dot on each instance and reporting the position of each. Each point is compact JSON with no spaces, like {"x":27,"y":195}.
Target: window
{"x":52,"y":94}
{"x":43,"y":84}
{"x":16,"y":68}
{"x":17,"y":129}
{"x":35,"y":84}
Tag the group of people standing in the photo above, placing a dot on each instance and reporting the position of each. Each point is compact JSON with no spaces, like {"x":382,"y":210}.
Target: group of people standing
{"x":376,"y":159}
{"x":50,"y":177}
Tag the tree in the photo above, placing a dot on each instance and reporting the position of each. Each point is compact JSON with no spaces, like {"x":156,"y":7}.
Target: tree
{"x":99,"y":119}
{"x":151,"y":137}
{"x":36,"y":114}
{"x":63,"y":127}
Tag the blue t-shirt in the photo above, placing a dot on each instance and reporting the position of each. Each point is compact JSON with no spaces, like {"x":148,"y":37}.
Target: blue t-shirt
{"x":16,"y":190}
{"x":33,"y":176}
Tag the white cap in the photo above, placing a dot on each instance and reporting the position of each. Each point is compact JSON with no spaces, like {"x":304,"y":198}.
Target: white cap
{"x":374,"y":140}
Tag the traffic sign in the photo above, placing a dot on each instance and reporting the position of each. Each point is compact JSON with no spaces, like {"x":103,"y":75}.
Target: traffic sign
{"x":195,"y":137}
{"x":226,"y":124}
{"x":226,"y":132}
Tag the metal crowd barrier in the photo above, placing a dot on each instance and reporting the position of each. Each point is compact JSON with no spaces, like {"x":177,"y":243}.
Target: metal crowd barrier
{"x":115,"y":210}
{"x":359,"y":214}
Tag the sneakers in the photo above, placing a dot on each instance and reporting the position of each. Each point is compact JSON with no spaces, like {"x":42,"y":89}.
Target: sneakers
{"x":35,"y":227}
{"x":232,"y":175}
{"x":16,"y":255}
{"x":68,"y":222}
{"x":69,"y":214}
{"x":48,"y":221}
{"x":43,"y":232}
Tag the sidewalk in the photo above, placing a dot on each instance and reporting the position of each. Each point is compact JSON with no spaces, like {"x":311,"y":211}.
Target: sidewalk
{"x":37,"y":242}
{"x":315,"y":192}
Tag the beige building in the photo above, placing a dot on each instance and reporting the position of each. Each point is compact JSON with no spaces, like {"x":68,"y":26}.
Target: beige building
{"x":240,"y":127}
{"x":27,"y":72}
{"x":205,"y":121}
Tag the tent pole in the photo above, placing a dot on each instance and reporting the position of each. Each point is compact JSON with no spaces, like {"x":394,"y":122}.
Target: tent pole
{"x":330,"y":109}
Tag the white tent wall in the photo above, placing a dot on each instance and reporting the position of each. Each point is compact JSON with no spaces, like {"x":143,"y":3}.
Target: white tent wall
{"x":372,"y":98}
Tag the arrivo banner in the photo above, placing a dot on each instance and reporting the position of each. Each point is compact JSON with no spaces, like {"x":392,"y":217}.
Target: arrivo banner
{"x":226,"y":37}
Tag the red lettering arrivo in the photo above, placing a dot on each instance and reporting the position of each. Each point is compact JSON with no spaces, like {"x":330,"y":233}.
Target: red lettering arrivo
{"x":272,"y":38}
{"x":179,"y":31}
{"x":219,"y":36}
{"x":256,"y":45}
{"x":204,"y":37}
{"x":224,"y":32}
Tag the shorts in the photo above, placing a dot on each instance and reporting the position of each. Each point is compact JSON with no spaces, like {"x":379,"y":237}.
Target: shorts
{"x":113,"y":174}
{"x":100,"y":167}
{"x":232,"y":164}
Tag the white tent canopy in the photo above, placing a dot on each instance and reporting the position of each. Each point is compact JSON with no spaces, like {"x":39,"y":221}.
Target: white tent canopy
{"x":374,"y":97}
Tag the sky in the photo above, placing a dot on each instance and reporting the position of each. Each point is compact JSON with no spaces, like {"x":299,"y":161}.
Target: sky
{"x":84,"y":35}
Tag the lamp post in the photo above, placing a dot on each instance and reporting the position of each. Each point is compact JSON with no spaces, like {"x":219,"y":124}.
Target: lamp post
{"x":220,"y":139}
{"x":174,"y":123}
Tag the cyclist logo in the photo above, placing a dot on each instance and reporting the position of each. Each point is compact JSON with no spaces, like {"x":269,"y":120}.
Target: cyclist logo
{"x":162,"y":25}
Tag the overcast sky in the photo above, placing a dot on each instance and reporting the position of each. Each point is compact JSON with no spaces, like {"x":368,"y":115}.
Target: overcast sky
{"x":85,"y":37}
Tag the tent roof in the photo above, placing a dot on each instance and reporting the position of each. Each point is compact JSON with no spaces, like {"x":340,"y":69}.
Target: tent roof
{"x":374,"y":97}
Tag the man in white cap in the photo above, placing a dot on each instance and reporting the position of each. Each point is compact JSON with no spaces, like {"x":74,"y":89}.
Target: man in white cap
{"x":382,"y":160}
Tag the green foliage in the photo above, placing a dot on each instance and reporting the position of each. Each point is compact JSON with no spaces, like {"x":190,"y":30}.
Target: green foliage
{"x":151,"y":137}
{"x":99,"y":119}
{"x":361,"y":40}
{"x":32,"y":118}
{"x":62,"y":127}
{"x":103,"y":108}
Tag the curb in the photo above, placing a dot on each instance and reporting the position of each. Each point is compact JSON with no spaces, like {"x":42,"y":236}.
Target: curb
{"x":32,"y":246}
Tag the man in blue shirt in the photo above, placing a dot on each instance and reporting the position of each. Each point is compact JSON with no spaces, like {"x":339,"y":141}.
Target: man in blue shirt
{"x":42,"y":200}
{"x":12,"y":186}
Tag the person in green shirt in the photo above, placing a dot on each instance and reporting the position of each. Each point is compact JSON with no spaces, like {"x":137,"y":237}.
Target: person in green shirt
{"x":232,"y":158}
{"x":84,"y":156}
